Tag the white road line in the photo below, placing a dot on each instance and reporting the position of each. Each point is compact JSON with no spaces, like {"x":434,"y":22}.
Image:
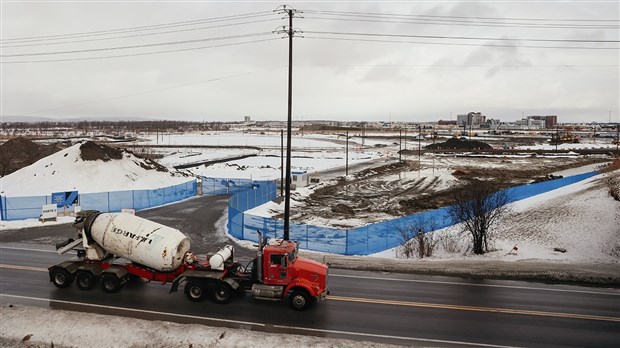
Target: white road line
{"x":416,"y":280}
{"x":469,"y":284}
{"x":134,"y":310}
{"x":27,"y":249}
{"x":395,"y":337}
{"x":346,"y":333}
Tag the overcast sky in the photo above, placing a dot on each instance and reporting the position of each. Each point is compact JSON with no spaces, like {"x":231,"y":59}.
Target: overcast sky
{"x":411,"y":79}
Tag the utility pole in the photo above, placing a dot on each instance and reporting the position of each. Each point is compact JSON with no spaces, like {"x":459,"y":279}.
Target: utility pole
{"x":420,"y":143}
{"x":281,"y":161}
{"x":400,"y":145}
{"x":346,"y":171}
{"x":290,"y":12}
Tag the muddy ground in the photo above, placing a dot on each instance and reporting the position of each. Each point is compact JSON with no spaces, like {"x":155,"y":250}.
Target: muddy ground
{"x":412,"y":186}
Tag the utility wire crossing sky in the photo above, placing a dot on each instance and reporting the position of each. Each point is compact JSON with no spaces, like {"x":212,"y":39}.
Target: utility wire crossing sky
{"x":353,"y":61}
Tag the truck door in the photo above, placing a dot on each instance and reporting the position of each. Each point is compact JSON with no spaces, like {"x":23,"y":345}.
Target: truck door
{"x":277,"y":270}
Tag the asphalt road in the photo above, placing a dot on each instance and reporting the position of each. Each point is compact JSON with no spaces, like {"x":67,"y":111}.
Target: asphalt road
{"x":384,"y":307}
{"x":196,"y":218}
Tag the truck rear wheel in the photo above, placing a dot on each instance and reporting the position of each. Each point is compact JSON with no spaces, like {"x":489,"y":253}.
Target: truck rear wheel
{"x":85,"y":280}
{"x":300,"y":300}
{"x":194,"y":291}
{"x":62,"y":278}
{"x":222,"y":293}
{"x":110,"y":283}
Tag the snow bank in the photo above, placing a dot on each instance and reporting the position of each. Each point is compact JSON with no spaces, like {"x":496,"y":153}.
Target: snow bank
{"x":580,"y":218}
{"x":47,"y":327}
{"x":67,"y":171}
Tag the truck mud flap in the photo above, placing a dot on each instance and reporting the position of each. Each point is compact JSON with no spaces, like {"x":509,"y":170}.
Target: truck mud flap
{"x":176,"y":282}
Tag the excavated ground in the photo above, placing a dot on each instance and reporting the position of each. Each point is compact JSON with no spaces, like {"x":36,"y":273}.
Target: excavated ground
{"x":20,"y":152}
{"x":410,"y":187}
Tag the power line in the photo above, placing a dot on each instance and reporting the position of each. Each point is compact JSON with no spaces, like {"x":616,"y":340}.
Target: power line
{"x":135,"y":54}
{"x":240,"y":36}
{"x":459,"y":44}
{"x":467,"y":23}
{"x":460,"y":37}
{"x":152,"y":91}
{"x":143,"y":34}
{"x":464,"y":17}
{"x":460,"y":65}
{"x":140,"y":28}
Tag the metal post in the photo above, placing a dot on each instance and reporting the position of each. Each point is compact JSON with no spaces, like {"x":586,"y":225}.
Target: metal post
{"x":400,"y":144}
{"x":347,"y":156}
{"x":420,"y":143}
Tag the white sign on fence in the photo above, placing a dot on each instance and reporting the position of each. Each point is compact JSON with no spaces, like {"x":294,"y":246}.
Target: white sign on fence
{"x":49,"y":212}
{"x":128,"y":211}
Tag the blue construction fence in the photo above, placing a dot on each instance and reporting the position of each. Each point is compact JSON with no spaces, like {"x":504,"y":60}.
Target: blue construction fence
{"x":19,"y":208}
{"x":365,"y":240}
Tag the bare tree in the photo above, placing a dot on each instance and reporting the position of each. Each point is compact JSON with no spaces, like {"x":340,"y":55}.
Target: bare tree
{"x":479,"y":206}
{"x":415,"y":241}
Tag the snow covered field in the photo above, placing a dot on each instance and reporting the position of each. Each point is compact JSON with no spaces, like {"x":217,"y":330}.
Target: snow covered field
{"x":536,"y":225}
{"x":580,"y":218}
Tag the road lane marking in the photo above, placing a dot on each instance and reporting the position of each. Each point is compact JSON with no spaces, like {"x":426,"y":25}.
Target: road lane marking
{"x":28,"y":249}
{"x":474,"y":309}
{"x":23,"y":268}
{"x":469,"y":284}
{"x":363,"y":334}
{"x":419,"y":304}
{"x":262,"y":325}
{"x":133,"y":310}
{"x":415,"y":280}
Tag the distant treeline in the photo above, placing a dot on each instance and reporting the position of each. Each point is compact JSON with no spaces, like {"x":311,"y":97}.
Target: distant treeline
{"x":116,"y":126}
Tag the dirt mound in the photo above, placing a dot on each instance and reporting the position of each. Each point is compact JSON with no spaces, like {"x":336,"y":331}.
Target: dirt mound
{"x":460,"y":144}
{"x":343,"y":209}
{"x":89,"y":151}
{"x":21,"y":152}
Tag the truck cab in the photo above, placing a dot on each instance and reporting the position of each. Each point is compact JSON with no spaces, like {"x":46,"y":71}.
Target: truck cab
{"x":279,"y":272}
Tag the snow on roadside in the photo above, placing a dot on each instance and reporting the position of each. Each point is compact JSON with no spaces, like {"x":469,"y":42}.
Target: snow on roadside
{"x":49,"y":327}
{"x":29,"y":223}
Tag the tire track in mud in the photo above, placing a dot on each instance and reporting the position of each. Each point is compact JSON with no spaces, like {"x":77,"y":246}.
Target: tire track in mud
{"x":393,"y":190}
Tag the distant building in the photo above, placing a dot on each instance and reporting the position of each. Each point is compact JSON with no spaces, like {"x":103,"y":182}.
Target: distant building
{"x":247,"y":119}
{"x":530,"y":123}
{"x":470,"y":119}
{"x":446,"y":123}
{"x":550,"y":120}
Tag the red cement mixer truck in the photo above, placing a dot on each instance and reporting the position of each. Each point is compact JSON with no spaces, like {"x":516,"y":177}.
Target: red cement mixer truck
{"x":114,"y":248}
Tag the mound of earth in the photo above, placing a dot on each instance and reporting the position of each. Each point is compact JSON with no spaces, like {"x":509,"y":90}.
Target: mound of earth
{"x":89,"y":151}
{"x":460,"y":144}
{"x":21,"y":152}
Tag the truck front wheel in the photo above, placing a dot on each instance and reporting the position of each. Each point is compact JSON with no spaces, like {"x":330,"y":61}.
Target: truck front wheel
{"x":85,"y":280}
{"x":110,"y":283}
{"x":222,"y":294}
{"x":194,"y":291}
{"x":300,"y":299}
{"x":62,"y":278}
